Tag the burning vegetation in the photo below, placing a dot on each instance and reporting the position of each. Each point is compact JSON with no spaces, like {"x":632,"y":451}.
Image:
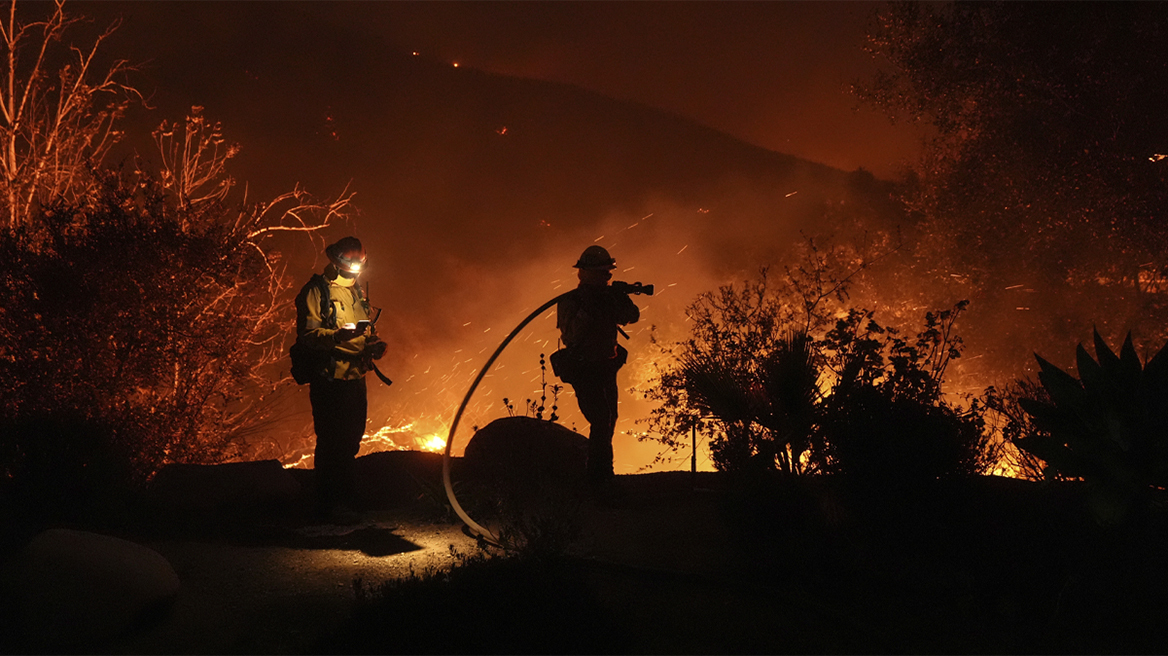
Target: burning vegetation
{"x":1035,"y":216}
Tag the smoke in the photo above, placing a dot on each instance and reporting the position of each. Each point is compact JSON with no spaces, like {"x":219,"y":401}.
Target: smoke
{"x":474,"y":195}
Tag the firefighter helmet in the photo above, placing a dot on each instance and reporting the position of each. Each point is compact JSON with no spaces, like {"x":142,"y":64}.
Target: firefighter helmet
{"x":595,"y":257}
{"x":347,"y":254}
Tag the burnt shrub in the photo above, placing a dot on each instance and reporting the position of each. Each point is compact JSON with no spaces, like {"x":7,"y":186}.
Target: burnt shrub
{"x":110,"y":339}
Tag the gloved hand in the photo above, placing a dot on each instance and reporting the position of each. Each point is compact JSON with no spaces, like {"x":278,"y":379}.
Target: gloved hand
{"x":375,"y":348}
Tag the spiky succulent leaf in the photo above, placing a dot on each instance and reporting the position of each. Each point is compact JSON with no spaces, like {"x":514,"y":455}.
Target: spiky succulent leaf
{"x":1090,"y":372}
{"x":1053,"y":419}
{"x":1059,"y":458}
{"x":1064,"y":389}
{"x":1107,"y":358}
{"x":1110,"y":427}
{"x":1156,"y":369}
{"x":1129,"y":360}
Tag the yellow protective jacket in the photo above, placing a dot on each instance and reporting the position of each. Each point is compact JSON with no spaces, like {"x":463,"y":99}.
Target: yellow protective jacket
{"x":348,"y":360}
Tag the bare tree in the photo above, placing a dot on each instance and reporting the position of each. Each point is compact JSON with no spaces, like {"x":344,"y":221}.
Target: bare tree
{"x":194,"y":174}
{"x":58,"y":110}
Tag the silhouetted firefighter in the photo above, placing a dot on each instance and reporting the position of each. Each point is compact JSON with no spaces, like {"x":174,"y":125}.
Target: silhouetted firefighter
{"x":589,"y":318}
{"x":335,"y":347}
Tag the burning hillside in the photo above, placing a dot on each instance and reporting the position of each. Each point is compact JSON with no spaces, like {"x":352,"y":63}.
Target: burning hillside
{"x":477,"y":191}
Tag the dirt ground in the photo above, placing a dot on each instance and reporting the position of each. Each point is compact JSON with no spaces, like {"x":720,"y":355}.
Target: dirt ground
{"x":280,"y":587}
{"x":273,"y":599}
{"x":688,"y":566}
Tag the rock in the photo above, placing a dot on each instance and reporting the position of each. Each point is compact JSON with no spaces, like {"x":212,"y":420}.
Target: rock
{"x":389,"y":479}
{"x":526,"y":477}
{"x":80,"y":589}
{"x":232,"y":485}
{"x":526,"y":455}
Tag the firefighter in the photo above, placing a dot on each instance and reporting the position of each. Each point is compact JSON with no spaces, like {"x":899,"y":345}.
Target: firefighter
{"x":588,"y":318}
{"x":332,"y":328}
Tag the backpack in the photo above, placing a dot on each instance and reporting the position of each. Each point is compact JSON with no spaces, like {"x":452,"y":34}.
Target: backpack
{"x":309,"y":364}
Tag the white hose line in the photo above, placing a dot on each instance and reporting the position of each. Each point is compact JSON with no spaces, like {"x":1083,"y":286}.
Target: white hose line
{"x":480,"y":531}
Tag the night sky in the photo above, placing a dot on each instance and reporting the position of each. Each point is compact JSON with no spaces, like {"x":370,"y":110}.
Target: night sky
{"x":663,"y":131}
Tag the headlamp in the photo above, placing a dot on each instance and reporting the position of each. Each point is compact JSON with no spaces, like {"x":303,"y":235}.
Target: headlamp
{"x":347,"y":254}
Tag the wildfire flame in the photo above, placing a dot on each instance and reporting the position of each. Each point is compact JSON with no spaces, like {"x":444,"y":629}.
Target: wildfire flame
{"x":662,"y":246}
{"x":403,"y":437}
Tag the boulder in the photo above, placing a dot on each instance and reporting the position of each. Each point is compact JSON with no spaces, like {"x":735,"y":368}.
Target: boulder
{"x":525,"y":454}
{"x":526,"y":478}
{"x":232,"y":485}
{"x":389,"y":479}
{"x":78,"y":589}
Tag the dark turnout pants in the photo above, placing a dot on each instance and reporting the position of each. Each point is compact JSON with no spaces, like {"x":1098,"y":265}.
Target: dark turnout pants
{"x":338,"y":416}
{"x":596,"y":393}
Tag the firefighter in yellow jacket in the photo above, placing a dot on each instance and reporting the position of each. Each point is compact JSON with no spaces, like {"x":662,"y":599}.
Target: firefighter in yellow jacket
{"x":338,"y":332}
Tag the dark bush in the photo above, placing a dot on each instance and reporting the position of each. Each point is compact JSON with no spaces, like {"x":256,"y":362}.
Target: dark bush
{"x":482,"y":605}
{"x":64,"y":466}
{"x":838,"y":393}
{"x":886,"y":420}
{"x":900,"y":443}
{"x":110,"y":319}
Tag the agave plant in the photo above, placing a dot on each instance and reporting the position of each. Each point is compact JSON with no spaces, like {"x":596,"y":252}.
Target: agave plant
{"x":1108,"y":427}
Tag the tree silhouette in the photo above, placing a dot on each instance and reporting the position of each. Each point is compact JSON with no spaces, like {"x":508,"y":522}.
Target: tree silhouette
{"x":1044,"y":184}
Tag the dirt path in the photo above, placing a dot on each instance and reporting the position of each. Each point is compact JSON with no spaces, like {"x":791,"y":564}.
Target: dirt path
{"x":268,"y":599}
{"x":280,"y":589}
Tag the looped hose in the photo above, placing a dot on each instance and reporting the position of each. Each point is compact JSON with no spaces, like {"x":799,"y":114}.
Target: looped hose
{"x":478,"y":531}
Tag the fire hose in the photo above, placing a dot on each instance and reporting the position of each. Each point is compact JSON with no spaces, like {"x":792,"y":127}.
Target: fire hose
{"x":477,"y":531}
